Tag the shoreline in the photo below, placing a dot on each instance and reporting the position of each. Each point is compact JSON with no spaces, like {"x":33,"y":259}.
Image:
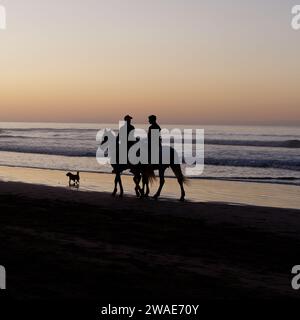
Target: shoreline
{"x":198,"y":190}
{"x":266,"y":180}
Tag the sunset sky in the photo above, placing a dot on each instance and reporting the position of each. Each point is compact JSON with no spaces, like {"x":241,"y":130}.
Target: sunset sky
{"x":188,"y":61}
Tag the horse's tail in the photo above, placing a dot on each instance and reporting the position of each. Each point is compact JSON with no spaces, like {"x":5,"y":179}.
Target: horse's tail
{"x":150,"y":175}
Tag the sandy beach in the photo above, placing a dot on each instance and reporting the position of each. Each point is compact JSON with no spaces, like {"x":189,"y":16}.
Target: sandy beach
{"x":59,"y":243}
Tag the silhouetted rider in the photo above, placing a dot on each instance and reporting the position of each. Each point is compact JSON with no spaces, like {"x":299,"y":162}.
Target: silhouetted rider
{"x":153,"y":126}
{"x":128,"y":127}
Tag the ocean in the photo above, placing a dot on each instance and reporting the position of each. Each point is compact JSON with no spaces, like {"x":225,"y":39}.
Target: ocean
{"x":244,"y":153}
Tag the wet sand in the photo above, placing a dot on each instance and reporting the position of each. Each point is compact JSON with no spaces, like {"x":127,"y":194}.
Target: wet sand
{"x":250,"y":193}
{"x":60,"y":243}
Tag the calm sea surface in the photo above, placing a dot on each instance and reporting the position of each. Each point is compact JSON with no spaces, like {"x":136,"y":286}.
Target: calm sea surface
{"x":251,"y":153}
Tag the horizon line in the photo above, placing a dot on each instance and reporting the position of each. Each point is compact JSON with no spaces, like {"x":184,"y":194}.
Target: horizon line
{"x":284,"y":124}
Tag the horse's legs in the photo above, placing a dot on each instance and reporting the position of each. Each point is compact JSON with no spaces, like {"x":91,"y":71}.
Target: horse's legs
{"x":142,"y":190}
{"x":116,"y":185}
{"x":180,"y":178}
{"x":161,"y":182}
{"x":147,"y":189}
{"x":120,"y":184}
{"x":146,"y":185}
{"x":137,"y":180}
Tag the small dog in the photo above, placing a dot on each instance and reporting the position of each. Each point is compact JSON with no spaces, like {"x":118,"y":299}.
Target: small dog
{"x":73,"y":177}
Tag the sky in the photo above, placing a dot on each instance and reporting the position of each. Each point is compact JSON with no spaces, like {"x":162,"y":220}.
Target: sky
{"x":187,"y":61}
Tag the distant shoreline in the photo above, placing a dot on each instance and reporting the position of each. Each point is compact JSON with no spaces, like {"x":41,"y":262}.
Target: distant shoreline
{"x":172,"y":123}
{"x":267,"y":180}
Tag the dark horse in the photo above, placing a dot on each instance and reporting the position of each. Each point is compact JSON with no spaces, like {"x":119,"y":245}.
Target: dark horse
{"x":145,"y":172}
{"x":139,"y":171}
{"x":174,"y":166}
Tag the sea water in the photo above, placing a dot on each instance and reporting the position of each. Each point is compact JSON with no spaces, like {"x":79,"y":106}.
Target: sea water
{"x":246,"y":153}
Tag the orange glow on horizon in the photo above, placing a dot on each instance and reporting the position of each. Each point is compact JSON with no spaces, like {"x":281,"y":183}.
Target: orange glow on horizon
{"x":140,"y":60}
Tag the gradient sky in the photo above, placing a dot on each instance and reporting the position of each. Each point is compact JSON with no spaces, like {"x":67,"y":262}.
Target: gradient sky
{"x":188,"y":61}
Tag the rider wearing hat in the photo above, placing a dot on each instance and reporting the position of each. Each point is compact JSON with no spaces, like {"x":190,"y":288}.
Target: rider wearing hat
{"x":129,"y":127}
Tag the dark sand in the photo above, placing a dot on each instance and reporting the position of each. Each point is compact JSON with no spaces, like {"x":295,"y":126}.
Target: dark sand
{"x":59,"y":243}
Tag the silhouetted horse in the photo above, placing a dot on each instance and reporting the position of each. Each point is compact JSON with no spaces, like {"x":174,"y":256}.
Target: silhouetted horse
{"x":174,"y":166}
{"x":139,"y":171}
{"x":145,"y":172}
